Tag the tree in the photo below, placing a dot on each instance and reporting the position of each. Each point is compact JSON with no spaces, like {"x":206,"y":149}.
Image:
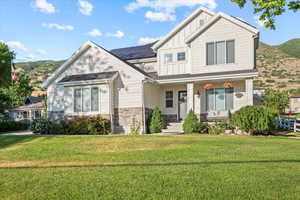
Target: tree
{"x":270,"y":9}
{"x":6,"y":57}
{"x":190,"y":122}
{"x":276,"y":100}
{"x":15,"y":94}
{"x":156,"y":123}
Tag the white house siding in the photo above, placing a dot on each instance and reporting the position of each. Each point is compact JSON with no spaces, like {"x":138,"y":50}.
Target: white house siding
{"x":177,"y":44}
{"x":127,"y":87}
{"x":220,"y":31}
{"x":152,"y":95}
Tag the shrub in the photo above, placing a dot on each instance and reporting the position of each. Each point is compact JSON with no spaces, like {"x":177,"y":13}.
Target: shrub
{"x":79,"y":126}
{"x":41,"y":126}
{"x":135,"y":127}
{"x":275,"y":99}
{"x":97,"y":125}
{"x":156,"y":122}
{"x":7,"y":125}
{"x":254,"y":119}
{"x":200,"y":127}
{"x":190,"y":123}
{"x":219,"y":127}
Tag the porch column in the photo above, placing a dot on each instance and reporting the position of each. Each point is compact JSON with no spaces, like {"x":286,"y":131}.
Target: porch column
{"x":249,"y":91}
{"x":190,"y":96}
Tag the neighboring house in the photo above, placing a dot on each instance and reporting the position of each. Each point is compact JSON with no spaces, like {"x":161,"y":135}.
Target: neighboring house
{"x":295,"y":103}
{"x":206,"y":63}
{"x":33,"y":108}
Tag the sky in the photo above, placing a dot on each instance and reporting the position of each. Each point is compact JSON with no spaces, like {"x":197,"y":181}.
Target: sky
{"x":55,"y":29}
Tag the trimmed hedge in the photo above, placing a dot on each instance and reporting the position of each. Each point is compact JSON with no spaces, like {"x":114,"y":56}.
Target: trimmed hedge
{"x":95,"y":125}
{"x":6,"y":126}
{"x":254,"y":119}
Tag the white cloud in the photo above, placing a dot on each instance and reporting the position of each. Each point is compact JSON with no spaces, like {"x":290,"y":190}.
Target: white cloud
{"x":160,"y":16}
{"x":41,"y":52}
{"x":85,"y":7}
{"x":118,"y":34}
{"x":147,"y":40}
{"x":30,"y":57}
{"x":165,"y":9}
{"x":16,"y":45}
{"x":95,"y":33}
{"x":258,"y":21}
{"x":59,"y":27}
{"x":44,"y":6}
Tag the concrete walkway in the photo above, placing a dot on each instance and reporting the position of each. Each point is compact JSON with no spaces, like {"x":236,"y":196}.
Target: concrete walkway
{"x":28,"y":132}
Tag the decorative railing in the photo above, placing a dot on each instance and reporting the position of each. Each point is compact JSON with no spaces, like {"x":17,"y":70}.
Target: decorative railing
{"x":288,"y":123}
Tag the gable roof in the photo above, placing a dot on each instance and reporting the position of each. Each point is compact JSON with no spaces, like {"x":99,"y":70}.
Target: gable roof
{"x":215,"y":19}
{"x":181,"y":26}
{"x":87,"y":45}
{"x":136,"y":52}
{"x":31,"y":100}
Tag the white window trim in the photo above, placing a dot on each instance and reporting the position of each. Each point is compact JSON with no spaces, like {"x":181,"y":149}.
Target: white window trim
{"x":166,"y":99}
{"x":185,"y":55}
{"x":215,"y":52}
{"x":81,"y":99}
{"x":168,"y":54}
{"x":206,"y":102}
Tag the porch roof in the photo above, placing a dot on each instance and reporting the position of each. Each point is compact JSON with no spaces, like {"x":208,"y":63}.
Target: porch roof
{"x":204,"y":76}
{"x":89,"y":77}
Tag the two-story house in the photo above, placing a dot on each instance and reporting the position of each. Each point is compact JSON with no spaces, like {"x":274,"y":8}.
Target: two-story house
{"x":206,"y":63}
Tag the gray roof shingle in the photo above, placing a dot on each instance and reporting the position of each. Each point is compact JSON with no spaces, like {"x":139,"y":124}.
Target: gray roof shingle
{"x":137,"y":52}
{"x":88,"y":77}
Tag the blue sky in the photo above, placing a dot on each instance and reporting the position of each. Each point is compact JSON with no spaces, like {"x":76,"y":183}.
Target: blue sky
{"x":54,"y":29}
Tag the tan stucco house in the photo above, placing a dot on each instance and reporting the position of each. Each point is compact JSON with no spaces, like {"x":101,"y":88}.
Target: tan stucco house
{"x":206,"y":63}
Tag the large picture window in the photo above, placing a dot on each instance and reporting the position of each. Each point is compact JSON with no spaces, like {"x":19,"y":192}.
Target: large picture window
{"x":219,"y":99}
{"x":221,"y":52}
{"x":86,"y":99}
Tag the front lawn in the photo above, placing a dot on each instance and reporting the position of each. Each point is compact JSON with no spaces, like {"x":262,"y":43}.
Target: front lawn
{"x":149,"y":167}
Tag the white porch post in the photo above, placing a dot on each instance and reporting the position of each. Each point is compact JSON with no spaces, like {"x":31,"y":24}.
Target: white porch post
{"x":190,"y":97}
{"x":249,"y":91}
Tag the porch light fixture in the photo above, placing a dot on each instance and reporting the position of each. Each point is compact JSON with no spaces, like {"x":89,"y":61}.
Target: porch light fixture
{"x":228,"y":85}
{"x":208,"y":86}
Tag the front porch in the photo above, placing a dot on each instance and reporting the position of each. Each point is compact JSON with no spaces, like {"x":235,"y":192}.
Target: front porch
{"x":210,"y":100}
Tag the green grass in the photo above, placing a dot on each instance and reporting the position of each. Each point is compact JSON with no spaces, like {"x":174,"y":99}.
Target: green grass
{"x":149,"y":167}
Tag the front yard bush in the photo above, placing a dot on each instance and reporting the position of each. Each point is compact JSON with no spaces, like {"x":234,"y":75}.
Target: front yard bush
{"x":254,"y":119}
{"x":6,"y":126}
{"x":95,"y":125}
{"x":192,"y":125}
{"x":156,"y":122}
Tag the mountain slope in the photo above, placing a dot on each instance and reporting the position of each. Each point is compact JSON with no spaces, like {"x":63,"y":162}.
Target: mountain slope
{"x":291,"y":47}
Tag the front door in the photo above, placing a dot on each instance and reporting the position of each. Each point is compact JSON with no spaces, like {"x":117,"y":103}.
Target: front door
{"x":182,"y":105}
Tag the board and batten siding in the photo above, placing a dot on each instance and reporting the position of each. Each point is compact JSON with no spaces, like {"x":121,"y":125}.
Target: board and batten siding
{"x":127,"y":86}
{"x":177,"y":44}
{"x":220,"y":31}
{"x":153,"y":94}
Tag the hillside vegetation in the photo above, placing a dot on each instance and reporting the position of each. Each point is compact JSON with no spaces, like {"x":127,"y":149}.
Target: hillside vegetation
{"x":278,"y":66}
{"x":291,"y":47}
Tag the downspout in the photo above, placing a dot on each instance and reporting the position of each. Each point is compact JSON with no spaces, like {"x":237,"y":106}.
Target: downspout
{"x":143,"y":108}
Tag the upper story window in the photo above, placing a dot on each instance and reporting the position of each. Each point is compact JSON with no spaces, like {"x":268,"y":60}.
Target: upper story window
{"x":86,"y":99}
{"x":169,"y":99}
{"x":222,"y":52}
{"x":202,"y":22}
{"x":168,"y":58}
{"x":181,"y":56}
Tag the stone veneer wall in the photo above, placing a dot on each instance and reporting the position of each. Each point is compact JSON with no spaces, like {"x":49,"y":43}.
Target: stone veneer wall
{"x":123,"y":118}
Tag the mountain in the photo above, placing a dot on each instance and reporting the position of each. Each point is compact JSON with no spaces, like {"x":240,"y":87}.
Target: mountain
{"x":291,"y":47}
{"x":278,"y":67}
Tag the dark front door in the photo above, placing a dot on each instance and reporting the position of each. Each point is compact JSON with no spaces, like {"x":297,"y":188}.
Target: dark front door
{"x":182,"y":105}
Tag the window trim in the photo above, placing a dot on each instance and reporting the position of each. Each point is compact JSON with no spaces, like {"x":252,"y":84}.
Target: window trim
{"x":181,"y":52}
{"x":81,"y":100}
{"x":214,"y":97}
{"x":215,"y":52}
{"x":169,"y":99}
{"x":172,"y":59}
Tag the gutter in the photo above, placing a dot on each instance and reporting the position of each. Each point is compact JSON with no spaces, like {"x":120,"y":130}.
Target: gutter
{"x":143,"y":107}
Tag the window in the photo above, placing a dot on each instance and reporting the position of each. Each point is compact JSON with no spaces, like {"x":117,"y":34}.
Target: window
{"x":37,"y":114}
{"x":219,"y":99}
{"x":169,"y":99}
{"x":221,"y":52}
{"x":168,"y":58}
{"x":181,"y":56}
{"x":297,"y":100}
{"x":202,"y":22}
{"x":86,"y":100}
